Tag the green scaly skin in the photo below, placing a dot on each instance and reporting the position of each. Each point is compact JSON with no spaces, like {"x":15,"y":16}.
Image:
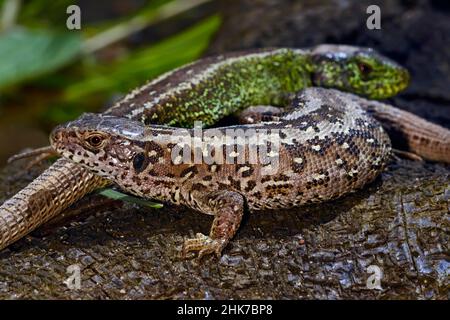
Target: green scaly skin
{"x":212,"y":88}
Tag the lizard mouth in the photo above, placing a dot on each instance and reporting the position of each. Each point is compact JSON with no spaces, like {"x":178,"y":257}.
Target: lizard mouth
{"x":392,"y":87}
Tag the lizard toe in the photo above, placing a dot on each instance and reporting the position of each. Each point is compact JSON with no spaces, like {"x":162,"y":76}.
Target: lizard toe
{"x":205,"y":245}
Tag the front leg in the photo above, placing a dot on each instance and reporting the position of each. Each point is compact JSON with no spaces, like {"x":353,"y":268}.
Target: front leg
{"x":228,"y":208}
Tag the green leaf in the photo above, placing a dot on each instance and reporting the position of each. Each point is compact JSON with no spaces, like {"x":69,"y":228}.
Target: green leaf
{"x":26,"y":54}
{"x":116,"y":195}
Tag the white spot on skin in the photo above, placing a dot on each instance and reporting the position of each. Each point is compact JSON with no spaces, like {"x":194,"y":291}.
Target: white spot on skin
{"x":234,"y":154}
{"x":310,"y":130}
{"x":177,"y":196}
{"x":267,"y":169}
{"x":298,"y":160}
{"x":213,"y":168}
{"x":345,"y":145}
{"x":339,"y":162}
{"x":352,"y":172}
{"x":205,"y":152}
{"x":370,"y":140}
{"x":318,"y":176}
{"x":188,"y":174}
{"x":243,"y":169}
{"x":316,"y":147}
{"x":178,"y":160}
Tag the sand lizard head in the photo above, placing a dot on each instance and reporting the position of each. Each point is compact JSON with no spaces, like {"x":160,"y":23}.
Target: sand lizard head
{"x":106,"y":145}
{"x":358,"y":70}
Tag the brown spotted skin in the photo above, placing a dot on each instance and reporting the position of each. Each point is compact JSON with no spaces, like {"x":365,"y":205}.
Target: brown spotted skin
{"x":329,"y":147}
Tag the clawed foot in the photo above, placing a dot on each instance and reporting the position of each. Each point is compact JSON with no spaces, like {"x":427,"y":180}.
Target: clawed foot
{"x":204,"y":245}
{"x":228,"y":208}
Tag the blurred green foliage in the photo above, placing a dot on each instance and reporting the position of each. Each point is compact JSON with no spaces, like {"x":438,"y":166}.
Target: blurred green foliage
{"x":117,"y":195}
{"x":39,"y":52}
{"x":44,"y":14}
{"x":25,"y":54}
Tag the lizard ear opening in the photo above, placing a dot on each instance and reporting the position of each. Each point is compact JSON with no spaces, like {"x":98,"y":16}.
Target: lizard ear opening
{"x":140,"y":162}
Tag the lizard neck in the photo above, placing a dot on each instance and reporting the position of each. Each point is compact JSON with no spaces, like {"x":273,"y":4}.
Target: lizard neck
{"x":154,"y":164}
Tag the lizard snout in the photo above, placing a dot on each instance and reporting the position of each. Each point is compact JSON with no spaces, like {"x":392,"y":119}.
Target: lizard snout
{"x":57,"y":138}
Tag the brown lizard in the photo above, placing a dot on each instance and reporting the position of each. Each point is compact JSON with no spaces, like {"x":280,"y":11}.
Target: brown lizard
{"x":323,"y":146}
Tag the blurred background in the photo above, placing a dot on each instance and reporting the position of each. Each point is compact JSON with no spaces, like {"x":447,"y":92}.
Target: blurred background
{"x":50,"y":74}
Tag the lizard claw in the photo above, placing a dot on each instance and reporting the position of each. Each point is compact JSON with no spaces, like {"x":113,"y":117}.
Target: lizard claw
{"x":204,"y":245}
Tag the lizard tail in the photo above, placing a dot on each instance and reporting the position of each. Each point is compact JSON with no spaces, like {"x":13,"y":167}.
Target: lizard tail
{"x":55,"y":189}
{"x":408,"y":131}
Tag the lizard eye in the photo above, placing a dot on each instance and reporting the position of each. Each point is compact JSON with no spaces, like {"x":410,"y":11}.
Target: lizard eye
{"x":95,"y":140}
{"x":364,"y":68}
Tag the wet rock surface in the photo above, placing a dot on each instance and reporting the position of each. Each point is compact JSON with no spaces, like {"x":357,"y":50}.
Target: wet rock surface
{"x":399,"y":224}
